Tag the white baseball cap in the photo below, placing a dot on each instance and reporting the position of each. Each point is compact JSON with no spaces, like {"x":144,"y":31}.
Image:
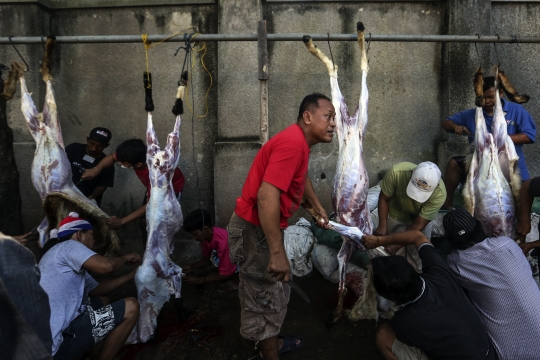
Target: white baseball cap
{"x":424,"y":181}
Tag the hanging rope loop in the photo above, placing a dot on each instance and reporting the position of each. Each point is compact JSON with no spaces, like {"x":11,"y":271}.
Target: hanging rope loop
{"x":24,"y":61}
{"x":329,"y":47}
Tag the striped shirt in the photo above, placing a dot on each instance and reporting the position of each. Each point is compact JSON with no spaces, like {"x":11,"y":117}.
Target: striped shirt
{"x":499,"y":282}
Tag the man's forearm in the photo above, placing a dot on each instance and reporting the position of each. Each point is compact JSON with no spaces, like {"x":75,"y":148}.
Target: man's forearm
{"x":97,"y":192}
{"x":107,"y":286}
{"x":402,"y":238}
{"x":310,"y":196}
{"x":268,"y":205}
{"x":383,"y":207}
{"x":526,"y":200}
{"x":199,"y":264}
{"x":216,"y":277}
{"x":139,"y":213}
{"x":520,"y":138}
{"x":448,"y":125}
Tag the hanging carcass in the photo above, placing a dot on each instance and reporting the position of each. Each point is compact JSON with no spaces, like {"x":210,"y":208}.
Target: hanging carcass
{"x":159,"y":277}
{"x":51,"y":170}
{"x":351,"y":183}
{"x":491,"y":192}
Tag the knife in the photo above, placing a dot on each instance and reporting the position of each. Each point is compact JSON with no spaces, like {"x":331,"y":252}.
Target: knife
{"x":296,"y":288}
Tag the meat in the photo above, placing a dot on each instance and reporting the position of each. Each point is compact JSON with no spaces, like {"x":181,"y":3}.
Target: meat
{"x":351,"y":182}
{"x":493,"y":183}
{"x":51,"y":170}
{"x":158,"y":277}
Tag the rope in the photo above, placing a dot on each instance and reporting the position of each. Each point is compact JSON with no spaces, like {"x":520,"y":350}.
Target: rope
{"x":332,"y":56}
{"x":12,"y":44}
{"x":201,"y":48}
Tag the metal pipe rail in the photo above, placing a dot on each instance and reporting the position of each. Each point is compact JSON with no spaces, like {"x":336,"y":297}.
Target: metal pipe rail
{"x":113,"y":39}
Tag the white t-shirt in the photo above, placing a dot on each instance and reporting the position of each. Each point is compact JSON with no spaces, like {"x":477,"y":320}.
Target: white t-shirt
{"x":66,"y":283}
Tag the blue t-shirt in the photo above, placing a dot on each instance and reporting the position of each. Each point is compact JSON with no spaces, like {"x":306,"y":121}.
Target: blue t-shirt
{"x":518,"y":120}
{"x":67,"y":283}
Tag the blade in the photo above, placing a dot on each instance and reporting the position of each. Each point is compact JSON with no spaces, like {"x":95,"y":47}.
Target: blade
{"x":299,"y":291}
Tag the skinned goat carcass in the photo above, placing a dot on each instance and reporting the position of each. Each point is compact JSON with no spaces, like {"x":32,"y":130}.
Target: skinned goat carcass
{"x":351,"y":182}
{"x":158,"y":277}
{"x":491,"y":192}
{"x":51,"y":169}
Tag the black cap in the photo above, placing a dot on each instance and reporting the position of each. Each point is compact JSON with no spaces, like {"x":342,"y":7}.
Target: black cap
{"x":459,"y":224}
{"x":101,"y":135}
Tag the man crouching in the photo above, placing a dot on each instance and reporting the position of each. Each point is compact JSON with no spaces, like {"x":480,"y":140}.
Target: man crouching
{"x":80,"y":316}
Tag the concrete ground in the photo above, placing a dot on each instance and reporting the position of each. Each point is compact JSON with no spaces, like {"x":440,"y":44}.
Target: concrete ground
{"x":211,"y":332}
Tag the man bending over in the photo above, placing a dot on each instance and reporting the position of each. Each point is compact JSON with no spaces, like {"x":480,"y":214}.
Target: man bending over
{"x":81,"y":316}
{"x":435,"y":319}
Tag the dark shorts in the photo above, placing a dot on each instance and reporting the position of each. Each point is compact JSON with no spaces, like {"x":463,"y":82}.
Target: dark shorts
{"x":460,"y":160}
{"x":90,"y":328}
{"x":263,"y":300}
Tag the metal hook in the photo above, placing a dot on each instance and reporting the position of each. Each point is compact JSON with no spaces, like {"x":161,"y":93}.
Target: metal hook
{"x":476,"y":48}
{"x":496,"y":52}
{"x":368,"y":44}
{"x":12,"y":44}
{"x":329,"y":47}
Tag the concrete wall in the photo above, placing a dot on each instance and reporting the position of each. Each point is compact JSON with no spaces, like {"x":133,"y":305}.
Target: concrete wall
{"x":413,"y":86}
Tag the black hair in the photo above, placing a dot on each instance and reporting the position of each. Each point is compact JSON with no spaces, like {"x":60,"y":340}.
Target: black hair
{"x":310,"y":101}
{"x":395,"y":279}
{"x":469,"y":240}
{"x":197,"y":220}
{"x":132,"y":151}
{"x":489,"y":82}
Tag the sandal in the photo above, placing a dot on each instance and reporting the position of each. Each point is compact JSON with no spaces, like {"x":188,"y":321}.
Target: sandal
{"x":289,"y":344}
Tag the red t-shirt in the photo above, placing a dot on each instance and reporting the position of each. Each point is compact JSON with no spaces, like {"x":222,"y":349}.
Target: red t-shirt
{"x":221,"y":258}
{"x":178,"y":180}
{"x":282,"y":162}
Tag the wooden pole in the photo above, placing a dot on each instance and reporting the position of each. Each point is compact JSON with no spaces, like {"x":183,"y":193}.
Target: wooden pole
{"x":263,"y":77}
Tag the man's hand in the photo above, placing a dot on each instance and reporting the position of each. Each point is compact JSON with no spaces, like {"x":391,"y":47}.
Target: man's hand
{"x":114,"y":222}
{"x":186,"y":268}
{"x":526,"y":247}
{"x":22,"y":239}
{"x":279,"y":266}
{"x":194,"y":280}
{"x":132,"y":258}
{"x":89,"y":174}
{"x":370,"y":241}
{"x":461,"y":130}
{"x":381,"y":230}
{"x":322,"y":219}
{"x":392,"y":249}
{"x":523,"y":227}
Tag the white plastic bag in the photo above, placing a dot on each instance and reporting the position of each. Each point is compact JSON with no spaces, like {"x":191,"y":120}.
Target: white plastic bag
{"x":299,"y":241}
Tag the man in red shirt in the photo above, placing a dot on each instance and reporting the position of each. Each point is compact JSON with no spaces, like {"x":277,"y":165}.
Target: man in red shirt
{"x":273,"y":190}
{"x":132,"y":154}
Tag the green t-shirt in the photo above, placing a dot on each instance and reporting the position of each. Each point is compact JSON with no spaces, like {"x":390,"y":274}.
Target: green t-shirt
{"x":402,"y":207}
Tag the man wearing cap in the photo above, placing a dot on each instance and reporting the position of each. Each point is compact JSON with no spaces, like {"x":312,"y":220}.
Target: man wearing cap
{"x":81,"y":315}
{"x":499,"y":282}
{"x":435,"y":319}
{"x":87,"y":156}
{"x":410,"y":198}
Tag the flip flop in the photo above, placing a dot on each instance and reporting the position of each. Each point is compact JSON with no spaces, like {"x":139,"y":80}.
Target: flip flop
{"x":289,"y":344}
